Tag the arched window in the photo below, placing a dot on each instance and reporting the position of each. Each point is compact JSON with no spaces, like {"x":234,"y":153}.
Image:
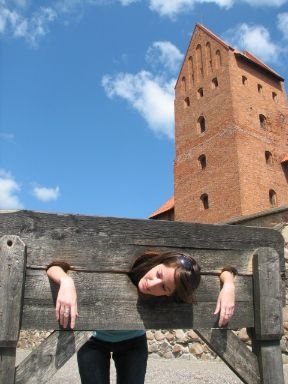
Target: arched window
{"x":209,"y":56}
{"x":244,"y":80}
{"x":199,"y":60}
{"x":202,"y":161}
{"x":186,"y":102}
{"x":262,"y":121}
{"x":191,"y":69}
{"x":272,"y":198}
{"x":183,"y":83}
{"x":218,"y":59}
{"x":200,"y":93}
{"x":214,"y":83}
{"x":274,"y":96}
{"x":201,"y":124}
{"x":268,"y":158}
{"x":205,"y":200}
{"x":260,"y":88}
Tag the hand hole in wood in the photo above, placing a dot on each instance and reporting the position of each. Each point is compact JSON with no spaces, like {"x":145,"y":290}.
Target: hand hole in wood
{"x":9,"y":243}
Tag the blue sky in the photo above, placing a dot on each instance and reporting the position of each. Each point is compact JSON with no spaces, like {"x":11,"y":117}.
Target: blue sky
{"x":87,"y":91}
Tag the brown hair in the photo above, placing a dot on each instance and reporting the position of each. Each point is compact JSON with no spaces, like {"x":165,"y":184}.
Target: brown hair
{"x":187,"y":273}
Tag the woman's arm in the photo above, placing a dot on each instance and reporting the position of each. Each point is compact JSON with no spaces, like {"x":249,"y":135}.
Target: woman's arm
{"x":226,"y":299}
{"x":66,"y":303}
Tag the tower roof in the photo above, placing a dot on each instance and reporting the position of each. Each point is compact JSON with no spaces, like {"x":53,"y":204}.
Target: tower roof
{"x":248,"y":56}
{"x":243,"y":55}
{"x":164,"y":208}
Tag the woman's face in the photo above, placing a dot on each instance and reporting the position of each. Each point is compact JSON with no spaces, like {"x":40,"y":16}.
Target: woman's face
{"x":159,"y":281}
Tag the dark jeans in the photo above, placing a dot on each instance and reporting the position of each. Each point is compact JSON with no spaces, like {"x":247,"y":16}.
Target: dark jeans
{"x":130,"y":357}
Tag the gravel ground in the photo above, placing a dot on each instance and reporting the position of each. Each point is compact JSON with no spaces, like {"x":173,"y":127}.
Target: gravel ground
{"x":176,"y":371}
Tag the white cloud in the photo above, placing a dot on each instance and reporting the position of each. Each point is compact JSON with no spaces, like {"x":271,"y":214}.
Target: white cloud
{"x":128,"y":2}
{"x":263,"y":3}
{"x":46,"y":194}
{"x":255,"y":39}
{"x":166,"y":54}
{"x":8,"y":191}
{"x":150,"y":95}
{"x":283,"y":24}
{"x":172,"y":8}
{"x":32,"y":29}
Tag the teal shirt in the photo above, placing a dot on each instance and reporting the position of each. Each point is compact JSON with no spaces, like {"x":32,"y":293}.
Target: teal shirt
{"x":116,"y":336}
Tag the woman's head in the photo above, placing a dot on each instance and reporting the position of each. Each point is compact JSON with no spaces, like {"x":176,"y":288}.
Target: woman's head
{"x":166,"y":274}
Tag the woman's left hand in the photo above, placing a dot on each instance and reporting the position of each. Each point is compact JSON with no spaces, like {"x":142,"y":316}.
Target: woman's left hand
{"x":226,"y":300}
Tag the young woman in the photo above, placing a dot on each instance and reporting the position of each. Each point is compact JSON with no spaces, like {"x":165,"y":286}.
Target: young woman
{"x":154,"y":273}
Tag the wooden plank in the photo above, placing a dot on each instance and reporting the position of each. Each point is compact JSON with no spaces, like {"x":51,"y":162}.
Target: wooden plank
{"x":45,"y":360}
{"x":12,"y":263}
{"x":233,"y":352}
{"x":96,"y":243}
{"x":98,"y":291}
{"x":267,"y":295}
{"x":268,"y":327}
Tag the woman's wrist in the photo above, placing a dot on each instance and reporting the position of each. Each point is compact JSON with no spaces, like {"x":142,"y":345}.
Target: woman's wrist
{"x":227,"y":277}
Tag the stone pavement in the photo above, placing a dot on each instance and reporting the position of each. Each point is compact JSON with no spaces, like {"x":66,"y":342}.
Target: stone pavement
{"x":161,"y":371}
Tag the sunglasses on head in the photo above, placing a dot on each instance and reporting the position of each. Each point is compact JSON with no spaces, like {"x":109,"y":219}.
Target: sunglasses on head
{"x":186,"y":262}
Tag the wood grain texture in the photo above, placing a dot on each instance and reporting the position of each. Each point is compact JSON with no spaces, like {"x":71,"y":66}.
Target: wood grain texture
{"x":12,"y":267}
{"x":111,"y":301}
{"x":233,"y":352}
{"x":102,"y":250}
{"x":45,"y":360}
{"x":267,"y":295}
{"x":99,"y":243}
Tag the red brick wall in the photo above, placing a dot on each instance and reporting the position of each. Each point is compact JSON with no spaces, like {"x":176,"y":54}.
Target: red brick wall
{"x":236,"y":178}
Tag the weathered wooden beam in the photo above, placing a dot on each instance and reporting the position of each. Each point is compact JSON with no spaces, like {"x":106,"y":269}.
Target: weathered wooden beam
{"x":12,"y":268}
{"x":45,"y":360}
{"x":233,"y":352}
{"x":111,"y":301}
{"x":98,"y":243}
{"x":268,"y":327}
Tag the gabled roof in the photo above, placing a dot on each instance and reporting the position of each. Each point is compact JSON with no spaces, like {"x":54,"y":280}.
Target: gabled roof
{"x":248,"y":56}
{"x":164,"y":208}
{"x":215,"y":37}
{"x":244,"y":55}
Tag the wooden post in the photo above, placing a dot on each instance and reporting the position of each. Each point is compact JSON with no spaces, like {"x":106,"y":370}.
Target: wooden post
{"x":233,"y":352}
{"x":268,"y":315}
{"x":12,"y":267}
{"x":45,"y":360}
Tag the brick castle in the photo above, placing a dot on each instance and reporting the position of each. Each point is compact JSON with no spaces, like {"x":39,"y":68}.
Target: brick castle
{"x":231,"y":135}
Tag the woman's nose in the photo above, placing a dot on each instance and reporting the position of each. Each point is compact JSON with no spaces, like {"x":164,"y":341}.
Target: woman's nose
{"x":154,"y":283}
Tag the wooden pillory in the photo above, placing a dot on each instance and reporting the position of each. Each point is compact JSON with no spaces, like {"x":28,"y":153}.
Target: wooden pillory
{"x":101,"y":251}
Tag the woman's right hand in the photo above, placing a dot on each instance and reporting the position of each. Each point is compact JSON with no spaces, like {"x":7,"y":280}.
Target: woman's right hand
{"x":66,"y":303}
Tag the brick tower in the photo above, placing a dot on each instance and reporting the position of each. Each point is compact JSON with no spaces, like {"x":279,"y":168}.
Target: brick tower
{"x":231,"y":126}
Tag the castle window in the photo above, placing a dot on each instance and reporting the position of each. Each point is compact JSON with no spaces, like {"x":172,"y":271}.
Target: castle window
{"x":191,"y":69}
{"x":268,"y":158}
{"x":183,"y":83}
{"x":218,"y":59}
{"x":202,"y":161}
{"x":214,"y":83}
{"x":274,"y":96}
{"x":244,"y":80}
{"x":201,"y":124}
{"x":272,"y":198}
{"x":260,"y":88}
{"x":187,"y":102}
{"x":200,"y":93}
{"x":205,"y":200}
{"x":199,"y":59}
{"x":262,"y":120}
{"x":209,"y":56}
